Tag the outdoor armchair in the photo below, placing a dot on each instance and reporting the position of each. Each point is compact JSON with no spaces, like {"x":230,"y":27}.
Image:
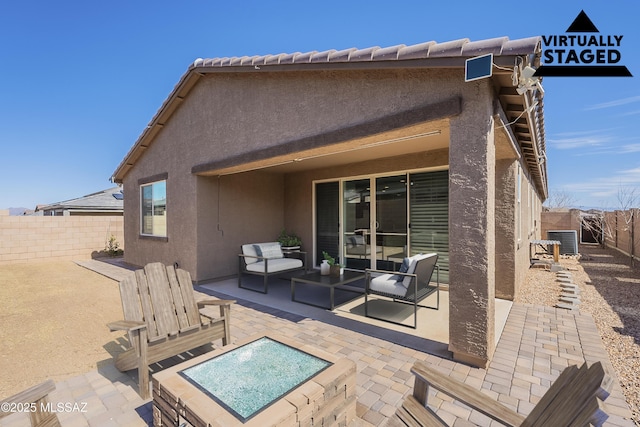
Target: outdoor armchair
{"x":410,"y":285}
{"x":574,"y":399}
{"x":162,"y":319}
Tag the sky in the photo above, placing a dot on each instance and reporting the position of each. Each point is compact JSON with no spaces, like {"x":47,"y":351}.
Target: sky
{"x":80,"y":80}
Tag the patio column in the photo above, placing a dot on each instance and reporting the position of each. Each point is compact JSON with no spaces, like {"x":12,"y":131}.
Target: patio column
{"x":505,"y":228}
{"x":472,"y":228}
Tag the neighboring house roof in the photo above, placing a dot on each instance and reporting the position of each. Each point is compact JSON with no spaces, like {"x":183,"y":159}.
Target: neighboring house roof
{"x":523,"y":112}
{"x":106,"y":200}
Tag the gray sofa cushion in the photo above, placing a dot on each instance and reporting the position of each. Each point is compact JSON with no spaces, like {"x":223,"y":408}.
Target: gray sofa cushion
{"x":275,"y":265}
{"x":269,"y":250}
{"x":252,"y":254}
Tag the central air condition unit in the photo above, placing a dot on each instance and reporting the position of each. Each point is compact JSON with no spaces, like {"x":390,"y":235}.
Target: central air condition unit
{"x":568,"y":240}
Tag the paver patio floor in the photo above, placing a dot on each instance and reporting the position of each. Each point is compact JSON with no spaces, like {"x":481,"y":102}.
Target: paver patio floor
{"x":537,"y":343}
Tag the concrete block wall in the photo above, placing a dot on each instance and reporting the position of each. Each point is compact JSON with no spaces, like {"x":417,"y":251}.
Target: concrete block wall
{"x":565,"y":220}
{"x":41,"y":238}
{"x":621,"y":228}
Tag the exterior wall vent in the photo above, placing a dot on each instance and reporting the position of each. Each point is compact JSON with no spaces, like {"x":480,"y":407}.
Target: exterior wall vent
{"x":568,"y":240}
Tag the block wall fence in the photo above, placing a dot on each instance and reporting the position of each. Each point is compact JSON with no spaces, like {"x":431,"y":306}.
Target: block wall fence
{"x":621,"y":229}
{"x":51,"y":238}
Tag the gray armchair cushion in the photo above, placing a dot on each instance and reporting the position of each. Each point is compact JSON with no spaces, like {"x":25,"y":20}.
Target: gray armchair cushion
{"x":412,"y":267}
{"x":388,"y":284}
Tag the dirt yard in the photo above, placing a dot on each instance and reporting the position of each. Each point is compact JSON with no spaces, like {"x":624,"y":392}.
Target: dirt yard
{"x":53,"y":322}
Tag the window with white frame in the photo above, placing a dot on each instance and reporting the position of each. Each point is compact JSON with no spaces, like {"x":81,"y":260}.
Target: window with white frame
{"x":153,"y":209}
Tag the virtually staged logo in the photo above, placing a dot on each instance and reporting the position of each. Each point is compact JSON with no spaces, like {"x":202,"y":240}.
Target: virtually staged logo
{"x":582,"y":53}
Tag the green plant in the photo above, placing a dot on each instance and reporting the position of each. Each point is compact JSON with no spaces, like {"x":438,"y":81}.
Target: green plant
{"x":289,"y":239}
{"x":113,"y":247}
{"x":330,"y":260}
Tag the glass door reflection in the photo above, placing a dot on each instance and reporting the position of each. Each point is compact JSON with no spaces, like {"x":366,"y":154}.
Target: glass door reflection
{"x":391,"y":222}
{"x":357,"y":224}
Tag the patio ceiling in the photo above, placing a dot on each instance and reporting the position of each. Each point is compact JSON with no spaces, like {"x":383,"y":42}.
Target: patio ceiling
{"x":413,"y":139}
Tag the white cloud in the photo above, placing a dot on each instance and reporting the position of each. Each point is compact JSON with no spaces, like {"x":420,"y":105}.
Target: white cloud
{"x":572,"y":140}
{"x":629,"y":148}
{"x":604,"y":190}
{"x":616,"y":103}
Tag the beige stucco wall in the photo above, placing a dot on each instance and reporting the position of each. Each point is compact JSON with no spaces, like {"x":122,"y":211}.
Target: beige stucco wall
{"x":472,"y":228}
{"x":505,"y":223}
{"x":40,"y":238}
{"x":234,"y":210}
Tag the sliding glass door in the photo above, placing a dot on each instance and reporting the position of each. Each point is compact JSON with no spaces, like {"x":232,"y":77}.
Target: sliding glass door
{"x":429,"y":217}
{"x":376,"y":222}
{"x":327,"y":220}
{"x":356,"y":229}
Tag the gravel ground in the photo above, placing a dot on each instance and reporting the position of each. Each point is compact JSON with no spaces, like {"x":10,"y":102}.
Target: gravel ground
{"x":610,"y":292}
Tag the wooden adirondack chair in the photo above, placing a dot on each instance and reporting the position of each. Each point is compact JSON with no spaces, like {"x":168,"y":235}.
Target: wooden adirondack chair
{"x":574,"y":399}
{"x":36,"y":399}
{"x":162,"y":319}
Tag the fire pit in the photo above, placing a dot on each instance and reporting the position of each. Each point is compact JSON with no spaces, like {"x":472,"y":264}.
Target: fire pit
{"x":263,"y":381}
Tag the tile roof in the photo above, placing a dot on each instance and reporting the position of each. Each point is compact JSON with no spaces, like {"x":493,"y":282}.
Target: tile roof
{"x":455,"y":48}
{"x":110,"y":199}
{"x":528,"y":130}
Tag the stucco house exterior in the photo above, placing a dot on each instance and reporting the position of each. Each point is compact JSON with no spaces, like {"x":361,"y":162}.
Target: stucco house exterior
{"x":370,"y":154}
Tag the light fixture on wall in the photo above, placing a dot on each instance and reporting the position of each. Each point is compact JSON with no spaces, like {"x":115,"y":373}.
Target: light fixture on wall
{"x":527,"y":81}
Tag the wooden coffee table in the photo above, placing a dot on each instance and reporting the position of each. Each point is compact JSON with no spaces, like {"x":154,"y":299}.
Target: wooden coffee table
{"x":331,"y":282}
{"x":203,"y":391}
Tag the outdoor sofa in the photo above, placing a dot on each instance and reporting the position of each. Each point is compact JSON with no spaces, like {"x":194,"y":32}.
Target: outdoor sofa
{"x":267,"y":259}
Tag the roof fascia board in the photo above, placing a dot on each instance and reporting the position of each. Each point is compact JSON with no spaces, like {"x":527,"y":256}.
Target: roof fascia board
{"x":449,"y":62}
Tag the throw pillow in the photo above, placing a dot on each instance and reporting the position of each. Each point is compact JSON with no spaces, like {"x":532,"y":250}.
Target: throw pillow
{"x":405,"y":265}
{"x":269,"y":250}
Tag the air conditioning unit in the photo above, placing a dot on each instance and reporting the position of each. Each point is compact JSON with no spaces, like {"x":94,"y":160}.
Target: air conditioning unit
{"x":568,"y":240}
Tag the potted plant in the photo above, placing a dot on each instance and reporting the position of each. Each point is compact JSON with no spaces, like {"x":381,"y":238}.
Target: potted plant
{"x":289,"y":241}
{"x":334,"y":269}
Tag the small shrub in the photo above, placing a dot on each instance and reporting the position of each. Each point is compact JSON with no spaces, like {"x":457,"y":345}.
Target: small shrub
{"x":113,"y":247}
